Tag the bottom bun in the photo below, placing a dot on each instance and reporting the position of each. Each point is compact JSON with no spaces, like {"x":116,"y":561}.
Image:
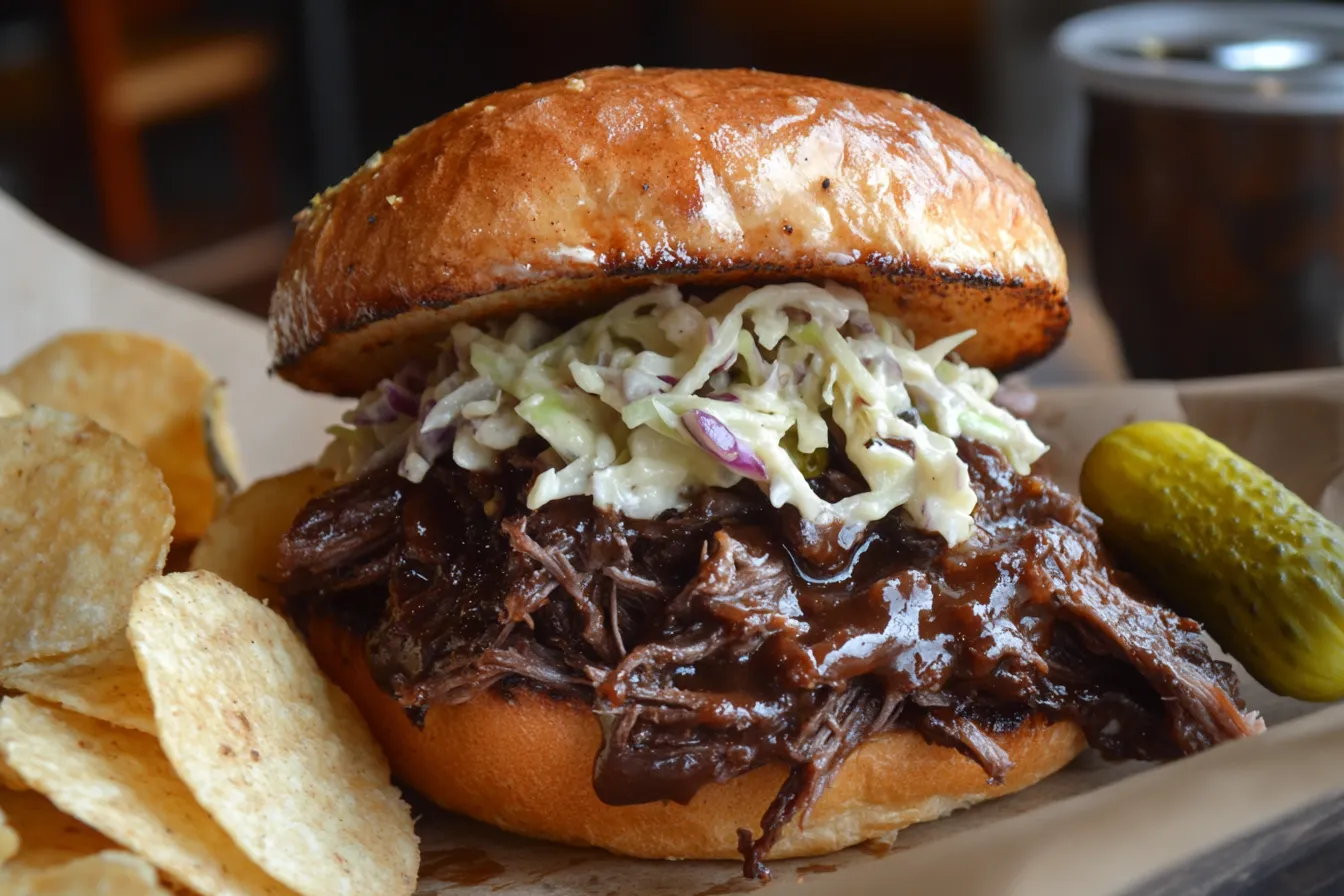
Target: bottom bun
{"x":525,"y":764}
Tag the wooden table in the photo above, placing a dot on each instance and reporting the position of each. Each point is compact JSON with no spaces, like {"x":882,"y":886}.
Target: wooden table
{"x":1302,"y":855}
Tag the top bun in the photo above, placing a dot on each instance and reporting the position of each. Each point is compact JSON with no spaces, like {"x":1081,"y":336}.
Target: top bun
{"x":564,"y":197}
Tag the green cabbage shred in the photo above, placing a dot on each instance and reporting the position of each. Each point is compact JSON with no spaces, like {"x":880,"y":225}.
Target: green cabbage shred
{"x":778,"y":366}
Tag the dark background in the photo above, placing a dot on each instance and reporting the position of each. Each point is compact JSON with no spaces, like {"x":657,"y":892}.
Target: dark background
{"x":329,"y":81}
{"x":254,"y":106}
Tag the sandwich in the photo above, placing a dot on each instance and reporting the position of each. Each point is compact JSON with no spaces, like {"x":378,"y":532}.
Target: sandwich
{"x":678,"y":510}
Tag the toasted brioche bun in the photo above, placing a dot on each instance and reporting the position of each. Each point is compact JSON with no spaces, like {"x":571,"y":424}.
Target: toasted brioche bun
{"x":525,"y":764}
{"x":564,"y":197}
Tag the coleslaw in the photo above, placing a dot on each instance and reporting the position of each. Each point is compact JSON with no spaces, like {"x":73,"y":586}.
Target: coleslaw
{"x":664,"y":395}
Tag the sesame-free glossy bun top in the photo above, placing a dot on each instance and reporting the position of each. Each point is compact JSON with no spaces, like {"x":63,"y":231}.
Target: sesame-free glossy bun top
{"x":564,"y":197}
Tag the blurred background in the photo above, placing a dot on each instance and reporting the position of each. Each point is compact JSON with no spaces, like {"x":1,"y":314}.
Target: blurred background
{"x":179,"y":135}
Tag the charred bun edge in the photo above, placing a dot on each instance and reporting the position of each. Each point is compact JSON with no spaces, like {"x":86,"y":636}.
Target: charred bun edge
{"x":375,"y":343}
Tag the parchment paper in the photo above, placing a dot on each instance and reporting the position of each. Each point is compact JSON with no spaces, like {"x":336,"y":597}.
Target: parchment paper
{"x":1093,"y":828}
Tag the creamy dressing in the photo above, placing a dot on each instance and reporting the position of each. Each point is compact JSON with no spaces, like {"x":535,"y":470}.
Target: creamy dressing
{"x":665,"y":395}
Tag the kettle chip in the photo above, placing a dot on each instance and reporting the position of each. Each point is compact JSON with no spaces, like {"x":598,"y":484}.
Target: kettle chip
{"x":165,"y":733}
{"x":256,"y":731}
{"x":10,"y":404}
{"x":9,"y":839}
{"x":111,"y":873}
{"x":9,"y":779}
{"x":242,"y":545}
{"x":46,"y":835}
{"x":119,"y":782}
{"x":102,"y":681}
{"x":153,"y":394}
{"x":84,"y":518}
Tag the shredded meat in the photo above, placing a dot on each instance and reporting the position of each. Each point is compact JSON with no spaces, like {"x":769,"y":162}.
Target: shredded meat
{"x":732,"y":634}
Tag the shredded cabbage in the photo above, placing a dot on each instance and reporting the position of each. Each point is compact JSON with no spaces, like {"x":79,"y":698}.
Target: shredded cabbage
{"x":664,"y":395}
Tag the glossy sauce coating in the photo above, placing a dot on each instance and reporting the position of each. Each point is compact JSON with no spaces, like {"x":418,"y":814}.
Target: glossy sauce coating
{"x":707,"y":644}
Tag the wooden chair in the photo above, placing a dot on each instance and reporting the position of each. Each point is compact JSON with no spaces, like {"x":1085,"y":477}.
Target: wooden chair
{"x":132,"y":79}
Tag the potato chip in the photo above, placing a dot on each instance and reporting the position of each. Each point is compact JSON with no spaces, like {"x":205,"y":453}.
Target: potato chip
{"x":47,"y":836}
{"x":10,"y":404}
{"x":112,"y":873}
{"x":178,"y":452}
{"x":256,"y":732}
{"x":242,"y":546}
{"x":9,"y":838}
{"x":102,"y":681}
{"x":135,"y":385}
{"x":151,"y":393}
{"x":84,"y":518}
{"x":119,"y":782}
{"x":220,"y":445}
{"x":9,"y":779}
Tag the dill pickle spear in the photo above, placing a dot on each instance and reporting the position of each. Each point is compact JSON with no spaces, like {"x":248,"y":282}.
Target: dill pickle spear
{"x":1226,"y":544}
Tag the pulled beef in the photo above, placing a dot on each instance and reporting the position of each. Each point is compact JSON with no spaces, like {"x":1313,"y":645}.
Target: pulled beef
{"x":733,"y":634}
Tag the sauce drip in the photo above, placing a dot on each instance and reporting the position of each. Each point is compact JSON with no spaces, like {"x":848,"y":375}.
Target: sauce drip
{"x":733,"y":634}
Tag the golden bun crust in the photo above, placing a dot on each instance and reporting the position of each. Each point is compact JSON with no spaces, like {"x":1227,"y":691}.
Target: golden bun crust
{"x":525,"y":765}
{"x":567,"y":196}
